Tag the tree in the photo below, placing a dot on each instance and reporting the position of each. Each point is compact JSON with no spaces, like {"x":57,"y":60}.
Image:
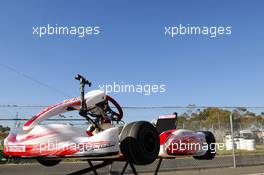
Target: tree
{"x":4,"y":131}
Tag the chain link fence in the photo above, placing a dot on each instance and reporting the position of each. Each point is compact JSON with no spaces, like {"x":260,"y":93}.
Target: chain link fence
{"x":240,"y":129}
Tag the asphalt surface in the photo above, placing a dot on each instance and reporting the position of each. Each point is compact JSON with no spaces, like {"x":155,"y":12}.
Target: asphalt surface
{"x":183,"y":166}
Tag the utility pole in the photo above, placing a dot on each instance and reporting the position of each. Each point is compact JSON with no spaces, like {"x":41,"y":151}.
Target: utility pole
{"x":219,"y":124}
{"x":233,"y":140}
{"x":16,"y":122}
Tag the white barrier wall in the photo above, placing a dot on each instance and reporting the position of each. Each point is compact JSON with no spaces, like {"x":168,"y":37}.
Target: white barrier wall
{"x":241,"y":143}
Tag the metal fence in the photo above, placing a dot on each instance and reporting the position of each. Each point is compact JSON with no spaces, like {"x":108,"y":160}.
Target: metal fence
{"x":239,"y":128}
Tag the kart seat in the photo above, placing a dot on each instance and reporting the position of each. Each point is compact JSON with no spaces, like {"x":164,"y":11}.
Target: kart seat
{"x":166,"y":122}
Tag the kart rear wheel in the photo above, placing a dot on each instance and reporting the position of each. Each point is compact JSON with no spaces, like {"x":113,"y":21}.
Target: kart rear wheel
{"x":139,"y":143}
{"x":46,"y":162}
{"x":210,"y":153}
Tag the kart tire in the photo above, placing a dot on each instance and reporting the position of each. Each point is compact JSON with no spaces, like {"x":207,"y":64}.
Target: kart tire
{"x":49,"y":163}
{"x":139,"y":143}
{"x":211,"y":152}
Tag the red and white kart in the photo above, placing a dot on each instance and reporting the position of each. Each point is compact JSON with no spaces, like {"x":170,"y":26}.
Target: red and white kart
{"x":138,"y":142}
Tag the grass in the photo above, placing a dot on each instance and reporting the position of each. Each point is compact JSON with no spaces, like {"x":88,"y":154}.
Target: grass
{"x":1,"y":147}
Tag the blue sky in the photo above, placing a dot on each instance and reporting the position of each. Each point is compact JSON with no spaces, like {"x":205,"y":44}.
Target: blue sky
{"x":132,"y":48}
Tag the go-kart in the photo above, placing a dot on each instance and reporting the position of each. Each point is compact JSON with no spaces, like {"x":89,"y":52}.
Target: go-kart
{"x":106,"y":137}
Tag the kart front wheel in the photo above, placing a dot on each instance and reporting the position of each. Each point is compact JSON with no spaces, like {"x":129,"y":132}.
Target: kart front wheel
{"x":139,"y":143}
{"x":46,"y":162}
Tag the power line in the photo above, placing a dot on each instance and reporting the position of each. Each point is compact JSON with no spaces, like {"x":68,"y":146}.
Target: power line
{"x":22,"y":106}
{"x":191,"y":107}
{"x":34,"y":80}
{"x":26,"y":119}
{"x":144,"y":107}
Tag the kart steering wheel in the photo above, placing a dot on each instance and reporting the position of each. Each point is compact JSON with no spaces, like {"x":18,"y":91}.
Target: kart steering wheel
{"x":118,"y":115}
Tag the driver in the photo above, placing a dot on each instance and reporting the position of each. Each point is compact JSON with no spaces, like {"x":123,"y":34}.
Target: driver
{"x":105,"y":123}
